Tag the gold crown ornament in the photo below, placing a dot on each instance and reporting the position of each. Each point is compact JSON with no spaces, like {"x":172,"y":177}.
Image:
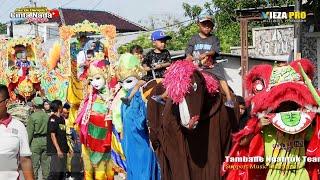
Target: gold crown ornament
{"x":25,"y":88}
{"x":99,"y":67}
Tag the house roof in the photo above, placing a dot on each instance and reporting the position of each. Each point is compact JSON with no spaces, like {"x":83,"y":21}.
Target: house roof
{"x":74,"y":16}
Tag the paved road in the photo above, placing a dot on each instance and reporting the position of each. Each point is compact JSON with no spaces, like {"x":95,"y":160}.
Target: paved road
{"x":40,"y":176}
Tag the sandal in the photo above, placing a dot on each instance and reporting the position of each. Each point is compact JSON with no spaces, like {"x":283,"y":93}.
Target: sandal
{"x":159,"y":99}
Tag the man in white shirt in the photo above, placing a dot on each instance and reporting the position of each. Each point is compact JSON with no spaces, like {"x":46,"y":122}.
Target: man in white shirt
{"x":14,"y":146}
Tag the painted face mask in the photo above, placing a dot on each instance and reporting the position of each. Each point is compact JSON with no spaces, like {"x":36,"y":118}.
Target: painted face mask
{"x":129,"y":83}
{"x":291,"y":122}
{"x":97,"y":81}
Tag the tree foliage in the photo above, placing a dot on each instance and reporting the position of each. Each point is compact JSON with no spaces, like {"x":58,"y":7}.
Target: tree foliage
{"x":179,"y":39}
{"x":3,"y":28}
{"x":227,"y":26}
{"x":314,"y":6}
{"x":191,"y":11}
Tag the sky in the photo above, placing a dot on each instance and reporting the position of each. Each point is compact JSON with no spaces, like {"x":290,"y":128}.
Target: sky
{"x":134,"y":10}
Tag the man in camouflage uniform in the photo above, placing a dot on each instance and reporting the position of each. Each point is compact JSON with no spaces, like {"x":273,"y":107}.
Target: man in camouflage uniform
{"x":37,"y":133}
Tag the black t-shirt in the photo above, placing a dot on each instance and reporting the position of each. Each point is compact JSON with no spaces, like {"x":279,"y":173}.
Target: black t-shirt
{"x":57,"y":125}
{"x":153,"y":58}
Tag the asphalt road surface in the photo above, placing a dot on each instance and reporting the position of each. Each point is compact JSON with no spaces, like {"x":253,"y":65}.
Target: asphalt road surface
{"x":40,"y":176}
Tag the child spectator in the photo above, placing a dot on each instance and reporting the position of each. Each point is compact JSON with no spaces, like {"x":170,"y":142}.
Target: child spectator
{"x":155,"y":63}
{"x":83,"y":67}
{"x":22,"y":63}
{"x":137,"y":50}
{"x":157,"y":59}
{"x":244,"y":112}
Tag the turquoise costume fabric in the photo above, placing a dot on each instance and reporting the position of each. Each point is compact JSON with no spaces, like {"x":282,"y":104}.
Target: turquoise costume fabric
{"x":140,"y":158}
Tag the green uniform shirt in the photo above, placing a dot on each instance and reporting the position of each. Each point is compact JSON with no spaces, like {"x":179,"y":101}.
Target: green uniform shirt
{"x":37,"y":124}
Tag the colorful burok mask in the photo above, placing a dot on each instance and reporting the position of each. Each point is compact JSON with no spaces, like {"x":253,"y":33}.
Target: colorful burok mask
{"x":285,"y":96}
{"x":129,"y":71}
{"x":98,"y":74}
{"x":25,"y":89}
{"x":281,"y":94}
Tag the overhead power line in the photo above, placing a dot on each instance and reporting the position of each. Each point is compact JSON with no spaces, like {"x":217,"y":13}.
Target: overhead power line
{"x":141,"y":32}
{"x":97,"y":5}
{"x":66,"y":3}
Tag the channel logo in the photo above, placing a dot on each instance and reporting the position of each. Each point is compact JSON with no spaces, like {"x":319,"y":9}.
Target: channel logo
{"x":287,"y":16}
{"x":35,"y":14}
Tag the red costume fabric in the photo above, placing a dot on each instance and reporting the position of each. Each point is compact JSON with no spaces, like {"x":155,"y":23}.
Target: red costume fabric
{"x":266,"y":94}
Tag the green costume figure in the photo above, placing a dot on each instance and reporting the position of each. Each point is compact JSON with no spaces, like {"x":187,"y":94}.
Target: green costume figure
{"x":37,"y":133}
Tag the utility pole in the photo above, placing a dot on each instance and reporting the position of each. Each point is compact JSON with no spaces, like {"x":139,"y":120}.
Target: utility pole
{"x":244,"y":51}
{"x":11,"y":29}
{"x":297,"y":32}
{"x":61,"y":14}
{"x":36,"y":28}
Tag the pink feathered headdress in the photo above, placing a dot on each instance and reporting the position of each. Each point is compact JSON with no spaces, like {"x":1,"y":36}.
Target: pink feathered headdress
{"x":177,"y":80}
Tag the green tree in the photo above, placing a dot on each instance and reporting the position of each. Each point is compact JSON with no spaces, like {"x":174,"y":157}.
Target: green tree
{"x":179,"y":39}
{"x":191,"y":11}
{"x":143,"y":41}
{"x":314,"y":6}
{"x":3,"y":28}
{"x":227,"y":26}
